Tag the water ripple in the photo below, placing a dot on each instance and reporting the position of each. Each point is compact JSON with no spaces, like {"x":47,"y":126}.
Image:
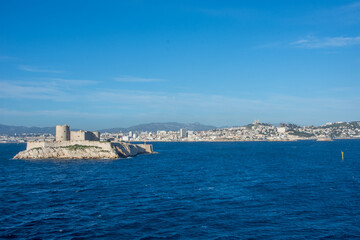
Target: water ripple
{"x":189,"y":191}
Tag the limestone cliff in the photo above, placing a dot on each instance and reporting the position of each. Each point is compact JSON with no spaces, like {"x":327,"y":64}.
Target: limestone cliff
{"x":83,"y":151}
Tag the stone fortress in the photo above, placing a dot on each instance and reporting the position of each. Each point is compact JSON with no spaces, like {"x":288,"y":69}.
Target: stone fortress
{"x":81,"y":145}
{"x":63,"y":133}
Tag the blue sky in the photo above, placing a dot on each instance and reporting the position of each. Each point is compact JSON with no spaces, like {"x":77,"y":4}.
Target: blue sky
{"x":99,"y":64}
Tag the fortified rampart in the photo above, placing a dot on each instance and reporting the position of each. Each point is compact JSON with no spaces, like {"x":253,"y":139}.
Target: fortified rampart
{"x":126,"y":148}
{"x":84,"y":135}
{"x":103,"y":145}
{"x":63,"y":133}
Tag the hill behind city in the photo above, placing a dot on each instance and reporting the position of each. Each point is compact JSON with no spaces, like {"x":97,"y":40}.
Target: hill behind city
{"x":150,"y":127}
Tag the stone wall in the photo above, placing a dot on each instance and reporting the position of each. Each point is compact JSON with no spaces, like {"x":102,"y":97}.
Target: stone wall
{"x":93,"y":150}
{"x":77,"y":135}
{"x":31,"y":145}
{"x":147,"y":147}
{"x":84,"y":135}
{"x":103,"y":145}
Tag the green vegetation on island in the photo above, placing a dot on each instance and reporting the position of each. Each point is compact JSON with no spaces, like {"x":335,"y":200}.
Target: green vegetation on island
{"x":79,"y":147}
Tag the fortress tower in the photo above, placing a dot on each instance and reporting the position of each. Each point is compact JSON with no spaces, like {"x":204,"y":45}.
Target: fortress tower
{"x":97,"y":135}
{"x":62,"y":133}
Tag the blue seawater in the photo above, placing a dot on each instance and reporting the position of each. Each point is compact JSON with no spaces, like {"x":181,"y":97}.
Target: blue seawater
{"x":244,"y":190}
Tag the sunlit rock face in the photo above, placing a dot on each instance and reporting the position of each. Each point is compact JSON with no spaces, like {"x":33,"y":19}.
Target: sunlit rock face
{"x":82,"y":150}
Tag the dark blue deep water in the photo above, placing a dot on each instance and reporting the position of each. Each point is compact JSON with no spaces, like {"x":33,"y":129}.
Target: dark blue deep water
{"x":249,"y":190}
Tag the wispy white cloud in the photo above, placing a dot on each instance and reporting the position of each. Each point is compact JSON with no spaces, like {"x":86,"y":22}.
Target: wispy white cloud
{"x":316,"y":104}
{"x":131,"y":79}
{"x":175,"y":101}
{"x":217,"y":103}
{"x":54,"y":89}
{"x":349,"y":13}
{"x":355,"y":6}
{"x":11,"y":112}
{"x":22,"y":90}
{"x":52,"y":82}
{"x":54,"y":113}
{"x":8,"y":58}
{"x":75,"y":82}
{"x":313,"y":42}
{"x":115,"y":103}
{"x":28,"y":68}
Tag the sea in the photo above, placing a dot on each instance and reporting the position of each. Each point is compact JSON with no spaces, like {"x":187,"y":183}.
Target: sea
{"x":203,"y":190}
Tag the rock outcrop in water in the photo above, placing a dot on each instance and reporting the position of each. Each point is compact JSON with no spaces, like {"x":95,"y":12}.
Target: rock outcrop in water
{"x":80,"y":145}
{"x":82,"y":150}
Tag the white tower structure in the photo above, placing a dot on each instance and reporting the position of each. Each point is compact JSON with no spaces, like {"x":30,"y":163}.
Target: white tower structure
{"x":62,"y":133}
{"x":183,"y":133}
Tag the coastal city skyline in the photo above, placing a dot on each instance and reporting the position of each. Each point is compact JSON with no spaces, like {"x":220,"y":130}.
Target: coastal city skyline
{"x":176,"y":132}
{"x":118,"y":64}
{"x":193,"y":132}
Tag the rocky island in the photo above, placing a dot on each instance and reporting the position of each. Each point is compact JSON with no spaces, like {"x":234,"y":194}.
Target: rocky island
{"x":80,"y":145}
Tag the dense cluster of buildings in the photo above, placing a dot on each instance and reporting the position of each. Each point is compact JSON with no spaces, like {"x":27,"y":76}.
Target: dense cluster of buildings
{"x":256,"y":131}
{"x":26,"y":137}
{"x":253,"y":132}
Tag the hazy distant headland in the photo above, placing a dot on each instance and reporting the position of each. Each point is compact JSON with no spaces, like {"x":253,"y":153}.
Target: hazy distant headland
{"x":150,"y":127}
{"x":168,"y":132}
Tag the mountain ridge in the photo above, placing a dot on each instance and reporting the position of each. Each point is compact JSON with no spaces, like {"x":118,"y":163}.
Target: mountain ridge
{"x":11,"y":130}
{"x":168,"y":126}
{"x":153,"y":127}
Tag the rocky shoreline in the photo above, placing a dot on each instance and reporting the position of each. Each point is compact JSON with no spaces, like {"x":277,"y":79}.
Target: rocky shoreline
{"x":83,"y":151}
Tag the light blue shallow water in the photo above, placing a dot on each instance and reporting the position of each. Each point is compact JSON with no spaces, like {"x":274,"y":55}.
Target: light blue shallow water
{"x":250,"y":190}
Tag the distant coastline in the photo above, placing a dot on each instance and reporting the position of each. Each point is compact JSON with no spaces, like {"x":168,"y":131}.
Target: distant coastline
{"x":256,"y":131}
{"x":304,"y":139}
